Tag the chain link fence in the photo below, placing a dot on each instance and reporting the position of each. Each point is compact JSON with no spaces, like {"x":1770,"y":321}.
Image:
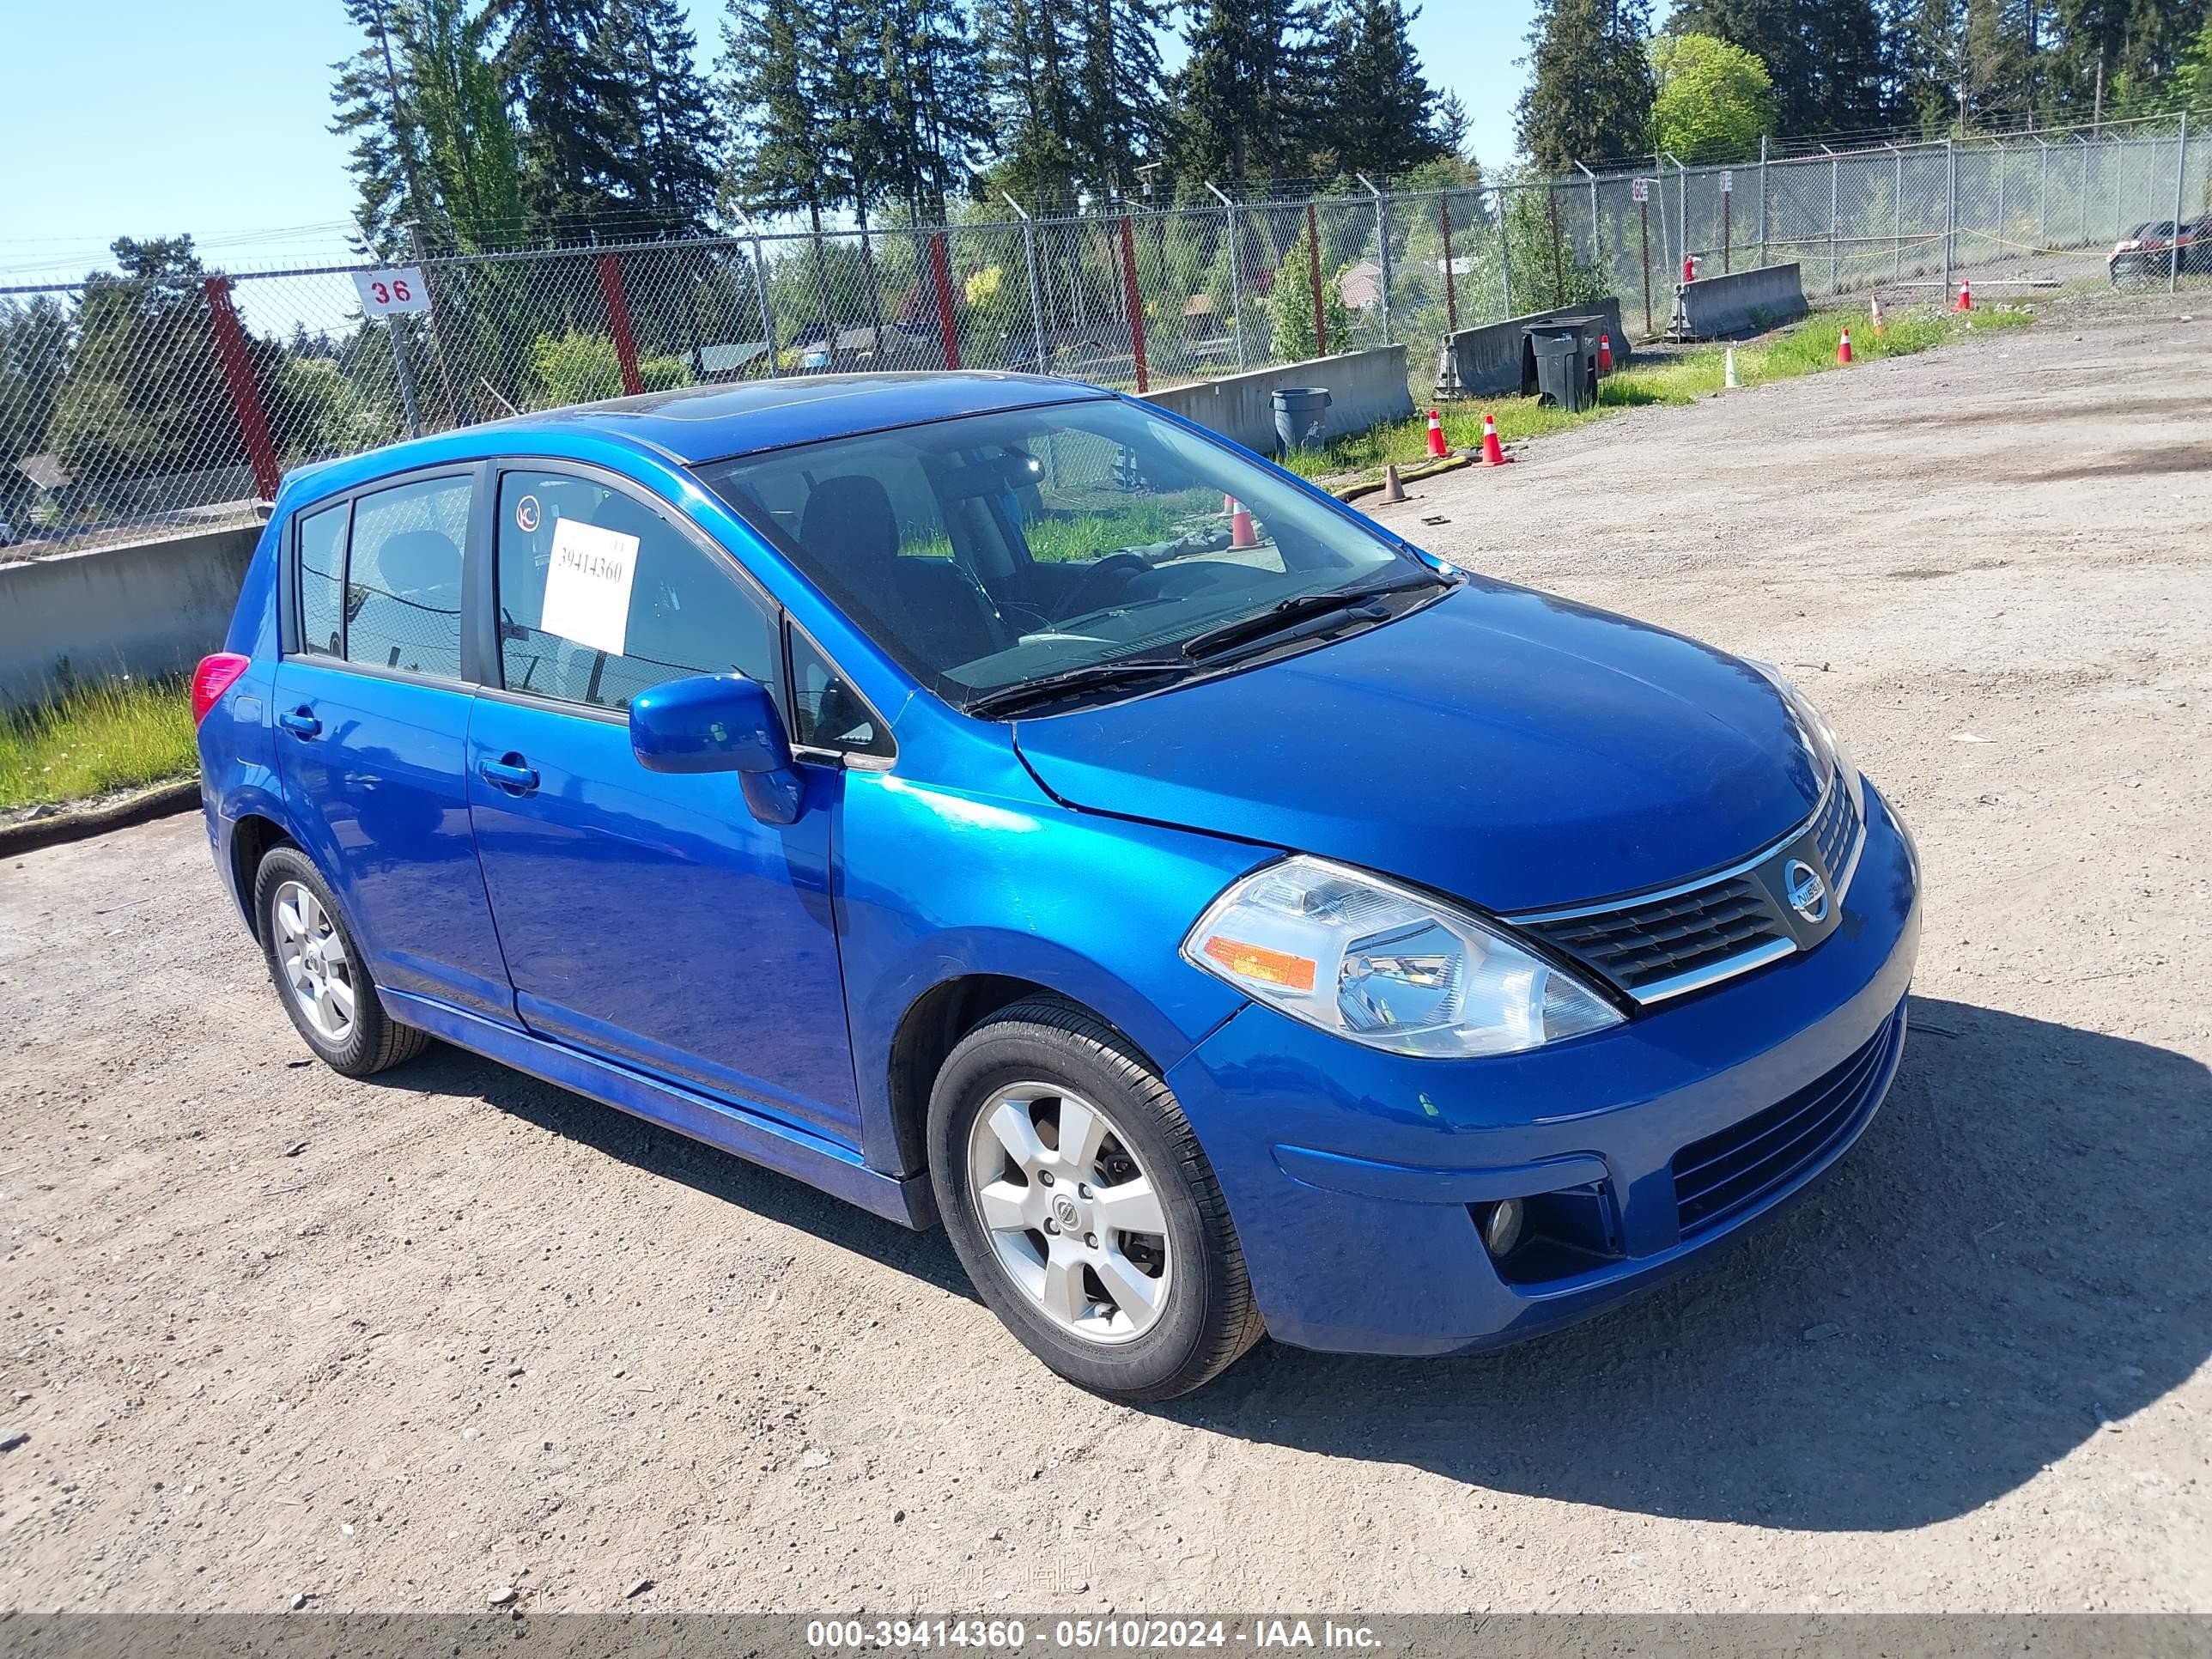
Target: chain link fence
{"x":135,"y":407}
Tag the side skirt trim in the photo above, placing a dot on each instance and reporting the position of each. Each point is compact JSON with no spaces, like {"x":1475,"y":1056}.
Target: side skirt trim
{"x":790,"y":1151}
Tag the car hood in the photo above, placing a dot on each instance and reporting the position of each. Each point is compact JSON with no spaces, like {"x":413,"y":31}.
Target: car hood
{"x":1501,"y":745}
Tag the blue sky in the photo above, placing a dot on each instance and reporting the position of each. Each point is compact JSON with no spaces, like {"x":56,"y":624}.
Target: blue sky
{"x":146,"y":117}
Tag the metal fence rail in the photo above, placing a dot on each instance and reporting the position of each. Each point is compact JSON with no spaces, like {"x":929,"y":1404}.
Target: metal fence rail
{"x":136,"y":407}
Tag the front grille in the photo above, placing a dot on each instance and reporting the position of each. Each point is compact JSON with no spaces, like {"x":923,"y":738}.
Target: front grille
{"x":1643,"y":944}
{"x":1837,"y":831}
{"x":1727,"y":1172}
{"x":1665,"y":944}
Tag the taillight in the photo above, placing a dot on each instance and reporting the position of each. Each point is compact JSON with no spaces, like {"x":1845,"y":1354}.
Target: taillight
{"x":215,"y":676}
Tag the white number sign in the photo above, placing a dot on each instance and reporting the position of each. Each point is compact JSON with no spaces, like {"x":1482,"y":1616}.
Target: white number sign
{"x":587,"y":584}
{"x":398,"y":289}
{"x":1639,"y":190}
{"x":1728,"y":182}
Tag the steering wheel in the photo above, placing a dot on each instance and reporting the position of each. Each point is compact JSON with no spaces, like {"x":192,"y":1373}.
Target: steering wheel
{"x":1089,"y":592}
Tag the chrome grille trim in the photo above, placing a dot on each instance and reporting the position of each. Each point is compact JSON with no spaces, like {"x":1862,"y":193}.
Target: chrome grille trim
{"x":1834,"y":832}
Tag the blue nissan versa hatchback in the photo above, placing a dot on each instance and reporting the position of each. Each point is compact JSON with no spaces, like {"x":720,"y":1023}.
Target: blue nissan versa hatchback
{"x":996,"y":801}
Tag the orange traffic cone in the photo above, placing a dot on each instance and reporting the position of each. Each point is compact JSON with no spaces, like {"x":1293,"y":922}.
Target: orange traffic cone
{"x":1493,"y":452}
{"x":1966,"y":295}
{"x":1605,"y":353}
{"x":1437,"y":445}
{"x":1844,"y":348}
{"x":1876,"y":310}
{"x":1240,"y":523}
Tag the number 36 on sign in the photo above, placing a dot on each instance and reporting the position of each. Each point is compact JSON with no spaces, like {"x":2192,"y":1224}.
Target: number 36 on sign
{"x":398,"y":289}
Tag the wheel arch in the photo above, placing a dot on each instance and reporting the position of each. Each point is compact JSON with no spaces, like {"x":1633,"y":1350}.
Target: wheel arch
{"x":251,"y":838}
{"x":933,"y":1025}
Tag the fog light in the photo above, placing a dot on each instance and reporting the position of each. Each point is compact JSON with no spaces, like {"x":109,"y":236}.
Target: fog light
{"x":1501,"y":1228}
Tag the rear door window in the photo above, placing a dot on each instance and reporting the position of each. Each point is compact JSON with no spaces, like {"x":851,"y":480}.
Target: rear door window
{"x":403,"y":580}
{"x":321,"y":545}
{"x":601,"y":597}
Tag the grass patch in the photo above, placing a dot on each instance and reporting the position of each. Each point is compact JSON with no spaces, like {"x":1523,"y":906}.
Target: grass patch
{"x":95,"y":739}
{"x":1808,"y":348}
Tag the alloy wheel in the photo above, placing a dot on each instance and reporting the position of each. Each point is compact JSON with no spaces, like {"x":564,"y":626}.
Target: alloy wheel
{"x":1071,"y":1215}
{"x":318,"y":974}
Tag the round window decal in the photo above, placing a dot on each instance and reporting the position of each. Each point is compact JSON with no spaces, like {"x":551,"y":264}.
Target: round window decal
{"x":526,"y":514}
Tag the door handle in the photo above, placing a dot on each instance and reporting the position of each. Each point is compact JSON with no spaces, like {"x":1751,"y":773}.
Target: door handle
{"x":301,"y":722}
{"x":508,"y":773}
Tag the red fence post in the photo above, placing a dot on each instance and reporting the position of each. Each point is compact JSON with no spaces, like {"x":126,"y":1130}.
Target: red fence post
{"x":1313,"y":276}
{"x":1136,"y":304}
{"x":1451,"y":287}
{"x":942,"y":273}
{"x":611,"y":285}
{"x":244,"y":395}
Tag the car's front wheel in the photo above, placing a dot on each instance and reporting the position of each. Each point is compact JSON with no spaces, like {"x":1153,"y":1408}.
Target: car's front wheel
{"x":1083,"y":1208}
{"x":320,"y":973}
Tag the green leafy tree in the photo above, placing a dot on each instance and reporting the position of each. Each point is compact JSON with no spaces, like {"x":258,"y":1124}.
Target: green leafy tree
{"x":573,"y":368}
{"x":1824,"y":57}
{"x":145,"y":394}
{"x":471,"y":162}
{"x":1714,"y":99}
{"x":1589,"y":94}
{"x":34,"y":345}
{"x":1547,"y":271}
{"x":1291,"y":311}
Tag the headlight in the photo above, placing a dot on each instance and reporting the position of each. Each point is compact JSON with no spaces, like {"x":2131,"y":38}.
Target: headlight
{"x":1384,"y":966}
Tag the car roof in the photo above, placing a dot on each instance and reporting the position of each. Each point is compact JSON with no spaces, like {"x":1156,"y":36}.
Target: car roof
{"x":708,"y":423}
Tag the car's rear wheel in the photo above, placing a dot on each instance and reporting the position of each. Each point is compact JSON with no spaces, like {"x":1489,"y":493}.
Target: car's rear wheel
{"x":1083,"y":1208}
{"x":320,"y":973}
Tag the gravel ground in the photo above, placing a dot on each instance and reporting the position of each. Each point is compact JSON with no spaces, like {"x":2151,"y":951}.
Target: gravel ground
{"x":407,"y":1344}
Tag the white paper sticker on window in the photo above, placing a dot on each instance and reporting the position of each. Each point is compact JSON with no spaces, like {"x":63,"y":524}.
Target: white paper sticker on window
{"x":587,"y":584}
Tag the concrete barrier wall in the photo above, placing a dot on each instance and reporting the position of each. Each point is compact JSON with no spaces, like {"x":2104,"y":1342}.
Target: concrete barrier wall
{"x":1365,"y":388}
{"x":1748,"y":300}
{"x":148,"y":609}
{"x":1486,"y":361}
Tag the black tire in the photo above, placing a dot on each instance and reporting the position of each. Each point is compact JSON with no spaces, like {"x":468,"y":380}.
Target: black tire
{"x":1210,"y":1319}
{"x":375,"y":1040}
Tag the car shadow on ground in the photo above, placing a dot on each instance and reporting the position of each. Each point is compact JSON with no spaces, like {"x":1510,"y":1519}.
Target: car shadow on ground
{"x":2012,"y":1258}
{"x":647,"y":1146}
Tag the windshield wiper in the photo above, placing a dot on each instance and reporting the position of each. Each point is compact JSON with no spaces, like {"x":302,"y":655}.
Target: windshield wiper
{"x":1113,"y":671}
{"x":1298,"y":608}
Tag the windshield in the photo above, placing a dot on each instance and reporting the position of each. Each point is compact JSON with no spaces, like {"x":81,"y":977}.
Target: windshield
{"x":995,"y":551}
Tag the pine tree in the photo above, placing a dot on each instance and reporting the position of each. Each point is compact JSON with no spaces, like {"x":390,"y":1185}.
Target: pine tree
{"x":1118,"y":89}
{"x":1379,"y":108}
{"x":578,"y":113}
{"x":1025,"y":58}
{"x":938,"y":121}
{"x":1923,"y":47}
{"x":1453,"y":126}
{"x":1589,"y":97}
{"x":1249,"y":92}
{"x":374,"y":112}
{"x":779,"y":157}
{"x":668,"y":158}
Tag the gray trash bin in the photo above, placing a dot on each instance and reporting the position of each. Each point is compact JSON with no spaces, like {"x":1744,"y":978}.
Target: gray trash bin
{"x":1565,"y":358}
{"x":1300,"y":412}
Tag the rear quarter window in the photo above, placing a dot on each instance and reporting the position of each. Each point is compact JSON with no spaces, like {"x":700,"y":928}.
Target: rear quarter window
{"x":320,"y":540}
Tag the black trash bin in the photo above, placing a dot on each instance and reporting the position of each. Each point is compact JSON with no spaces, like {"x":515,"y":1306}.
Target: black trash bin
{"x":1300,"y":412}
{"x":1565,"y":350}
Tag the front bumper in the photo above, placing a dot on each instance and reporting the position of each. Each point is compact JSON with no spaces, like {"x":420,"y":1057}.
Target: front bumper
{"x":1350,"y":1173}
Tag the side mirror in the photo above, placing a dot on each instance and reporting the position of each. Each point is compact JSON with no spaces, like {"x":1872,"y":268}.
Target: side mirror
{"x":720,"y":723}
{"x":708,"y":723}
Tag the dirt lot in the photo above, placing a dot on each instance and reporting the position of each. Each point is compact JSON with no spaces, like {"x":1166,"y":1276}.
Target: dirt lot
{"x":403,"y":1344}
